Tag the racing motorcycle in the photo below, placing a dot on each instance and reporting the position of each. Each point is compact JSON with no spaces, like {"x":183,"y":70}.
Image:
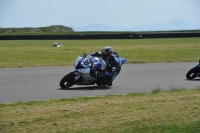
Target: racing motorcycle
{"x":194,"y":72}
{"x":88,"y":71}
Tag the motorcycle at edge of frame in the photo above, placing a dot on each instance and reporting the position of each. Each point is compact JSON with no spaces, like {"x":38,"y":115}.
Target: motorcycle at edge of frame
{"x":87,"y":71}
{"x":193,"y":72}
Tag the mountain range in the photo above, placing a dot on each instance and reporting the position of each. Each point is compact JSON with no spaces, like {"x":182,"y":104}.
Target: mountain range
{"x":173,"y":25}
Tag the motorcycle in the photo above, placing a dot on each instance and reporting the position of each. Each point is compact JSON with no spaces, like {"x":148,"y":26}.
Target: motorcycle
{"x":88,"y":71}
{"x":194,"y":72}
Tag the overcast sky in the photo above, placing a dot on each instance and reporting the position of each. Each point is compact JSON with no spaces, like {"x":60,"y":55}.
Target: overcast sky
{"x":38,"y":13}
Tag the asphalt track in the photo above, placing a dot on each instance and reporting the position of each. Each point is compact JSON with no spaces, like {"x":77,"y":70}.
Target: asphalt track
{"x":42,"y":83}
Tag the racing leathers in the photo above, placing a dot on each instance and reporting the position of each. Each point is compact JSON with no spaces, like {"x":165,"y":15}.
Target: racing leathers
{"x":112,"y":70}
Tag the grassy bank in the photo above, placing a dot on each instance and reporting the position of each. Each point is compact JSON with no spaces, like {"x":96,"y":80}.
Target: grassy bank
{"x":175,"y":111}
{"x":28,"y":53}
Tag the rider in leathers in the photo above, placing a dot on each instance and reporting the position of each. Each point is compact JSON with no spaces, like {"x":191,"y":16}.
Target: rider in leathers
{"x":113,"y":67}
{"x":112,"y":62}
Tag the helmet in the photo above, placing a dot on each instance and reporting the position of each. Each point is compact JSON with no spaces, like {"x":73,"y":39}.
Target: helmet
{"x":106,"y":52}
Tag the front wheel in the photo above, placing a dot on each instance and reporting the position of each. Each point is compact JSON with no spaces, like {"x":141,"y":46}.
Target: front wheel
{"x":192,"y":73}
{"x":67,"y":81}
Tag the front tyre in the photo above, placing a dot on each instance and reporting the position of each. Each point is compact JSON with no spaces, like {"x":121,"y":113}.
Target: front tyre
{"x":192,"y":73}
{"x":67,"y":81}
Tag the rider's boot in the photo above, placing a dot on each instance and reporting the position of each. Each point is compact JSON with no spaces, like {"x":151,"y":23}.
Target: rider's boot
{"x":109,"y":82}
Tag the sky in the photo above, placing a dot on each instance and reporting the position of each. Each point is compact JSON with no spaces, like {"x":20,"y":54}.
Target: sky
{"x":40,"y":13}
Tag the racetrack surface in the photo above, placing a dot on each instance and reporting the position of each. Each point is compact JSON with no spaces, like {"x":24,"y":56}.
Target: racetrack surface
{"x":42,"y":83}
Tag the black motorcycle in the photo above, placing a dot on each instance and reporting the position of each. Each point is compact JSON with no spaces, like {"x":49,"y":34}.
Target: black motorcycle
{"x":194,"y":72}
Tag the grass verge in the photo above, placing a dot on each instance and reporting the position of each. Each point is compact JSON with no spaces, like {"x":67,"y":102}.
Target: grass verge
{"x":176,"y":111}
{"x":35,"y":53}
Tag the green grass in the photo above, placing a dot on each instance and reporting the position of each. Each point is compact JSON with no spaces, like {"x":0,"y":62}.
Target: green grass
{"x":161,"y":112}
{"x":35,"y":53}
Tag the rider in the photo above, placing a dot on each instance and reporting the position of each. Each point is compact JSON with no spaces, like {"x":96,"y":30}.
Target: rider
{"x":113,"y":67}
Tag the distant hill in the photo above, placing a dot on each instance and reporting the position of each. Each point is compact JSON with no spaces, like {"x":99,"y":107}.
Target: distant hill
{"x":173,"y":25}
{"x":55,"y":29}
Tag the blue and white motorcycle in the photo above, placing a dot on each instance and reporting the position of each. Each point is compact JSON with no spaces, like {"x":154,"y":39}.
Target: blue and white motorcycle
{"x":193,"y":72}
{"x":87,"y":71}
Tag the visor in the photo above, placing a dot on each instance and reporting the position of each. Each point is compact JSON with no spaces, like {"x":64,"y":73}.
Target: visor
{"x":104,"y":56}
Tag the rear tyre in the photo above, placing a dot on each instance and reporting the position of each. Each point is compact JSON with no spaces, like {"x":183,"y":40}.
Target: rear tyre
{"x":192,"y":73}
{"x":101,"y":81}
{"x":67,"y":81}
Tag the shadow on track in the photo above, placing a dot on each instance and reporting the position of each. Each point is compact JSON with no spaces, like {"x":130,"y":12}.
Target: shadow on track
{"x":87,"y":88}
{"x":192,"y":79}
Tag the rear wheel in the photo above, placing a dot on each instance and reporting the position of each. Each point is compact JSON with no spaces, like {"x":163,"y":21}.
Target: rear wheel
{"x":101,"y":81}
{"x":192,"y":73}
{"x":67,"y":81}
